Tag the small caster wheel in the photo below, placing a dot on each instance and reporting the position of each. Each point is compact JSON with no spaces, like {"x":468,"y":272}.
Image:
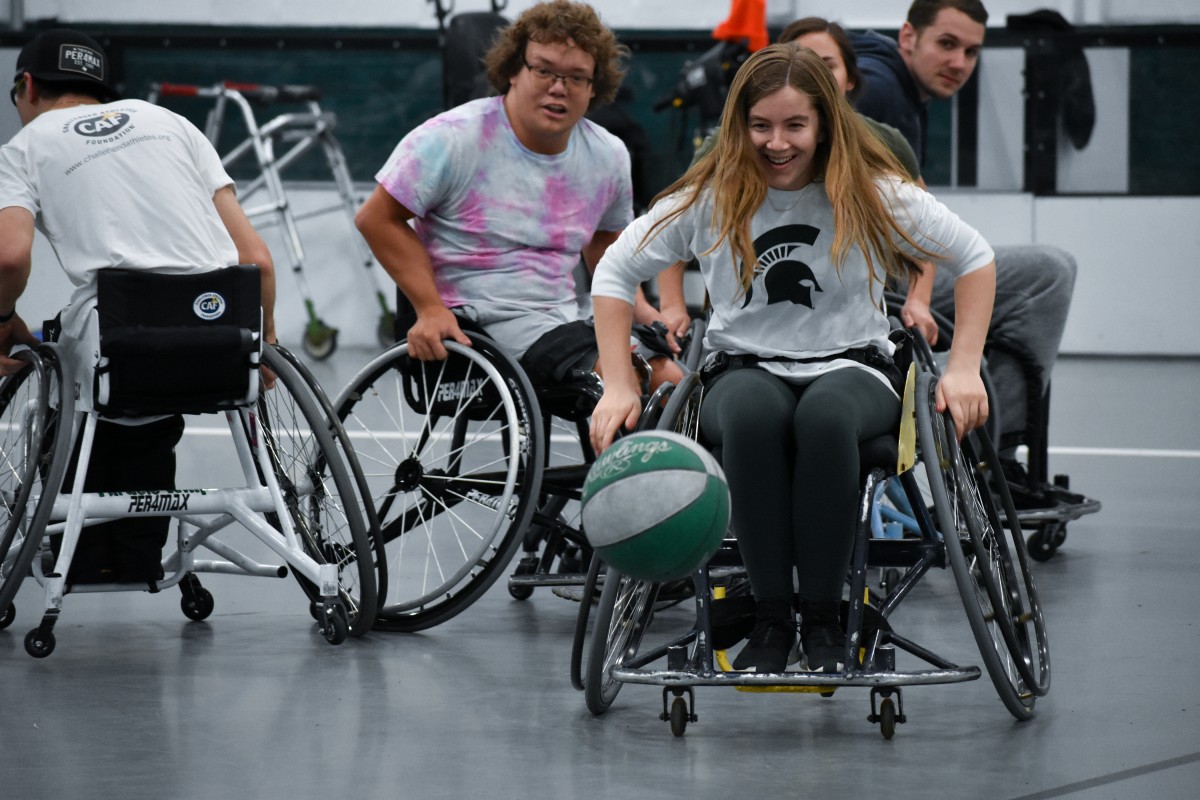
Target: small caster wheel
{"x":1059,"y":535}
{"x":1043,"y":543}
{"x":320,"y":340}
{"x":10,"y":613}
{"x":314,"y":610}
{"x":198,"y":605}
{"x":891,"y":576}
{"x":526,"y":566}
{"x":39,"y":643}
{"x":336,"y":624}
{"x":887,"y":718}
{"x":679,"y":716}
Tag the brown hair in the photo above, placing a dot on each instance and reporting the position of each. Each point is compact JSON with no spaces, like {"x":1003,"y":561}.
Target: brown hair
{"x":557,"y":22}
{"x":922,"y":13}
{"x":808,"y":25}
{"x":850,"y":159}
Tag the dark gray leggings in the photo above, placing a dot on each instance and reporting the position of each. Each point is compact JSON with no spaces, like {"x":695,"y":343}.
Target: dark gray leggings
{"x":790,"y":453}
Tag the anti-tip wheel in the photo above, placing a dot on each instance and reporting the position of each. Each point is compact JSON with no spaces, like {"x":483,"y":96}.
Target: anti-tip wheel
{"x":679,"y":716}
{"x":519,"y":592}
{"x":1044,"y":542}
{"x":887,"y":718}
{"x":38,"y":643}
{"x":199,"y":606}
{"x":336,"y":624}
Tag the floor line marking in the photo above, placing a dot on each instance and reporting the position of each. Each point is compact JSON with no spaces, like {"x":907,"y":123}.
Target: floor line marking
{"x":1104,"y":452}
{"x":1113,"y":777}
{"x":1125,"y":452}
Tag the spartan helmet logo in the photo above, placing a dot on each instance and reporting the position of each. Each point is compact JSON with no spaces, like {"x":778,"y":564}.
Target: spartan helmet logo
{"x":787,"y":279}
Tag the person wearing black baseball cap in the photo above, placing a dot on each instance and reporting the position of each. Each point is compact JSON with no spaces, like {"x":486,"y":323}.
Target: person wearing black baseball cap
{"x":112,"y":183}
{"x":66,"y":59}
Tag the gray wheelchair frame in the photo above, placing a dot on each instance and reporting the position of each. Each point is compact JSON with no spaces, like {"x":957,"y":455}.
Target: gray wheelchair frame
{"x":959,"y":524}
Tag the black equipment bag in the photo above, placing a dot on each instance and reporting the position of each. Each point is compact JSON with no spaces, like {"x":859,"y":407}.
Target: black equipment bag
{"x":177,"y":343}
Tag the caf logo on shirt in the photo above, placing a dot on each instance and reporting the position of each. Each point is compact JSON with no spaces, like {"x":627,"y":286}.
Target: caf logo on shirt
{"x":785,"y":277}
{"x":209,"y":306}
{"x":105,"y":124}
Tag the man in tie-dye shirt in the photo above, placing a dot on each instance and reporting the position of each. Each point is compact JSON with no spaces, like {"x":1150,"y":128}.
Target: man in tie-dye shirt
{"x":506,"y":193}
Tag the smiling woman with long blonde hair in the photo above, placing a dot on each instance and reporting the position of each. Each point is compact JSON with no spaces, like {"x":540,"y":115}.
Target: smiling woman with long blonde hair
{"x":796,"y":217}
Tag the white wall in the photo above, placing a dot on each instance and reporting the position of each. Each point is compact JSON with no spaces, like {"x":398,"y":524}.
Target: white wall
{"x":1138,"y":279}
{"x":698,"y":14}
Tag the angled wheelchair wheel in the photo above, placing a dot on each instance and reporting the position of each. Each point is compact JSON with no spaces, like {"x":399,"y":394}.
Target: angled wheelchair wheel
{"x":318,"y":488}
{"x":24,"y":407}
{"x":988,"y":561}
{"x":350,"y":458}
{"x":452,"y":453}
{"x":622,"y":617}
{"x":33,"y":456}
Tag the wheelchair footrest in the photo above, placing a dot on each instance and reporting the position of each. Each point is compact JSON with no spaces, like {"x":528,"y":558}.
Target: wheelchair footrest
{"x":1060,"y":512}
{"x":670,"y":677}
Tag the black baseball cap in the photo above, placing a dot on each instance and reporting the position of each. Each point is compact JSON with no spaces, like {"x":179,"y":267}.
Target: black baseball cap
{"x":62,"y":55}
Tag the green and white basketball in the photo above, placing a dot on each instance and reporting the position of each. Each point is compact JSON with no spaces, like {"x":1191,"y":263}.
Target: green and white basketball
{"x":655,"y":505}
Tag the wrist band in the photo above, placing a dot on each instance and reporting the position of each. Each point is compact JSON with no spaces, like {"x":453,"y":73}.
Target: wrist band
{"x":6,"y":317}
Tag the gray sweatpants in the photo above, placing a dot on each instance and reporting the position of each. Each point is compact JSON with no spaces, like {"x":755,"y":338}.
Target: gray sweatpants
{"x":1034,"y":284}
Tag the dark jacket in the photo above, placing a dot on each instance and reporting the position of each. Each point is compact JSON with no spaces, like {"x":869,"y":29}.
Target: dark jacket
{"x":889,"y":93}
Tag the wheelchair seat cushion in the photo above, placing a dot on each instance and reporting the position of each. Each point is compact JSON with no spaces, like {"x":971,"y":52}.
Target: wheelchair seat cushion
{"x":172,"y":343}
{"x":551,"y":358}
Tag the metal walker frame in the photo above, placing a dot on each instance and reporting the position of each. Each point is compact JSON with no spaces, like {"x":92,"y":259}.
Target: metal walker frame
{"x":300,"y":132}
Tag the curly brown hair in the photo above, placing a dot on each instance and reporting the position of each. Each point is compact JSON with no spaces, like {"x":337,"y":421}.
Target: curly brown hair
{"x":557,"y":22}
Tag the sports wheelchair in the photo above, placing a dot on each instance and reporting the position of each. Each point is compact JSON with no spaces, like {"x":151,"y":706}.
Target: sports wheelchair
{"x":469,"y":463}
{"x":160,"y":344}
{"x":1044,"y":505}
{"x":960,"y":515}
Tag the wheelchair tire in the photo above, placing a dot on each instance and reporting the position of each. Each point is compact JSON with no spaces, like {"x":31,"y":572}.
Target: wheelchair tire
{"x":318,"y":487}
{"x":622,"y":617}
{"x":453,"y":493}
{"x":34,"y":446}
{"x":996,"y":588}
{"x":346,"y":448}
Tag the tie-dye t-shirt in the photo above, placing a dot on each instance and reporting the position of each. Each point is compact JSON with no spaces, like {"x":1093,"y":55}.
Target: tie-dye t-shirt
{"x":505,"y":226}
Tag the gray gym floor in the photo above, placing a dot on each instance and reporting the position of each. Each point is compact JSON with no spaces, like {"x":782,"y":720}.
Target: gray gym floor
{"x":139,"y":702}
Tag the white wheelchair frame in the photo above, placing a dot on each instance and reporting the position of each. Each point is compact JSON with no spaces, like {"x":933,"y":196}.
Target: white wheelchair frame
{"x":294,"y":503}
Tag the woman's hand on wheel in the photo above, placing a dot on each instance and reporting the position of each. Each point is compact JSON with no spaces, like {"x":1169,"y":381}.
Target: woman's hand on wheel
{"x":963,"y":394}
{"x":619,"y":407}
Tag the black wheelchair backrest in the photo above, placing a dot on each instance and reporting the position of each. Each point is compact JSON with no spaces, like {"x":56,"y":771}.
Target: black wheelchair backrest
{"x":177,"y":343}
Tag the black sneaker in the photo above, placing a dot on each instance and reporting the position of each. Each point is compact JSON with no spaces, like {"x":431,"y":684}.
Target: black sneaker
{"x":822,"y":637}
{"x":772,"y":639}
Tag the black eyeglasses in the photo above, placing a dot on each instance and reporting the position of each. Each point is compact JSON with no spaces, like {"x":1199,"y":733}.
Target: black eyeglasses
{"x":547,"y":77}
{"x":12,"y":93}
